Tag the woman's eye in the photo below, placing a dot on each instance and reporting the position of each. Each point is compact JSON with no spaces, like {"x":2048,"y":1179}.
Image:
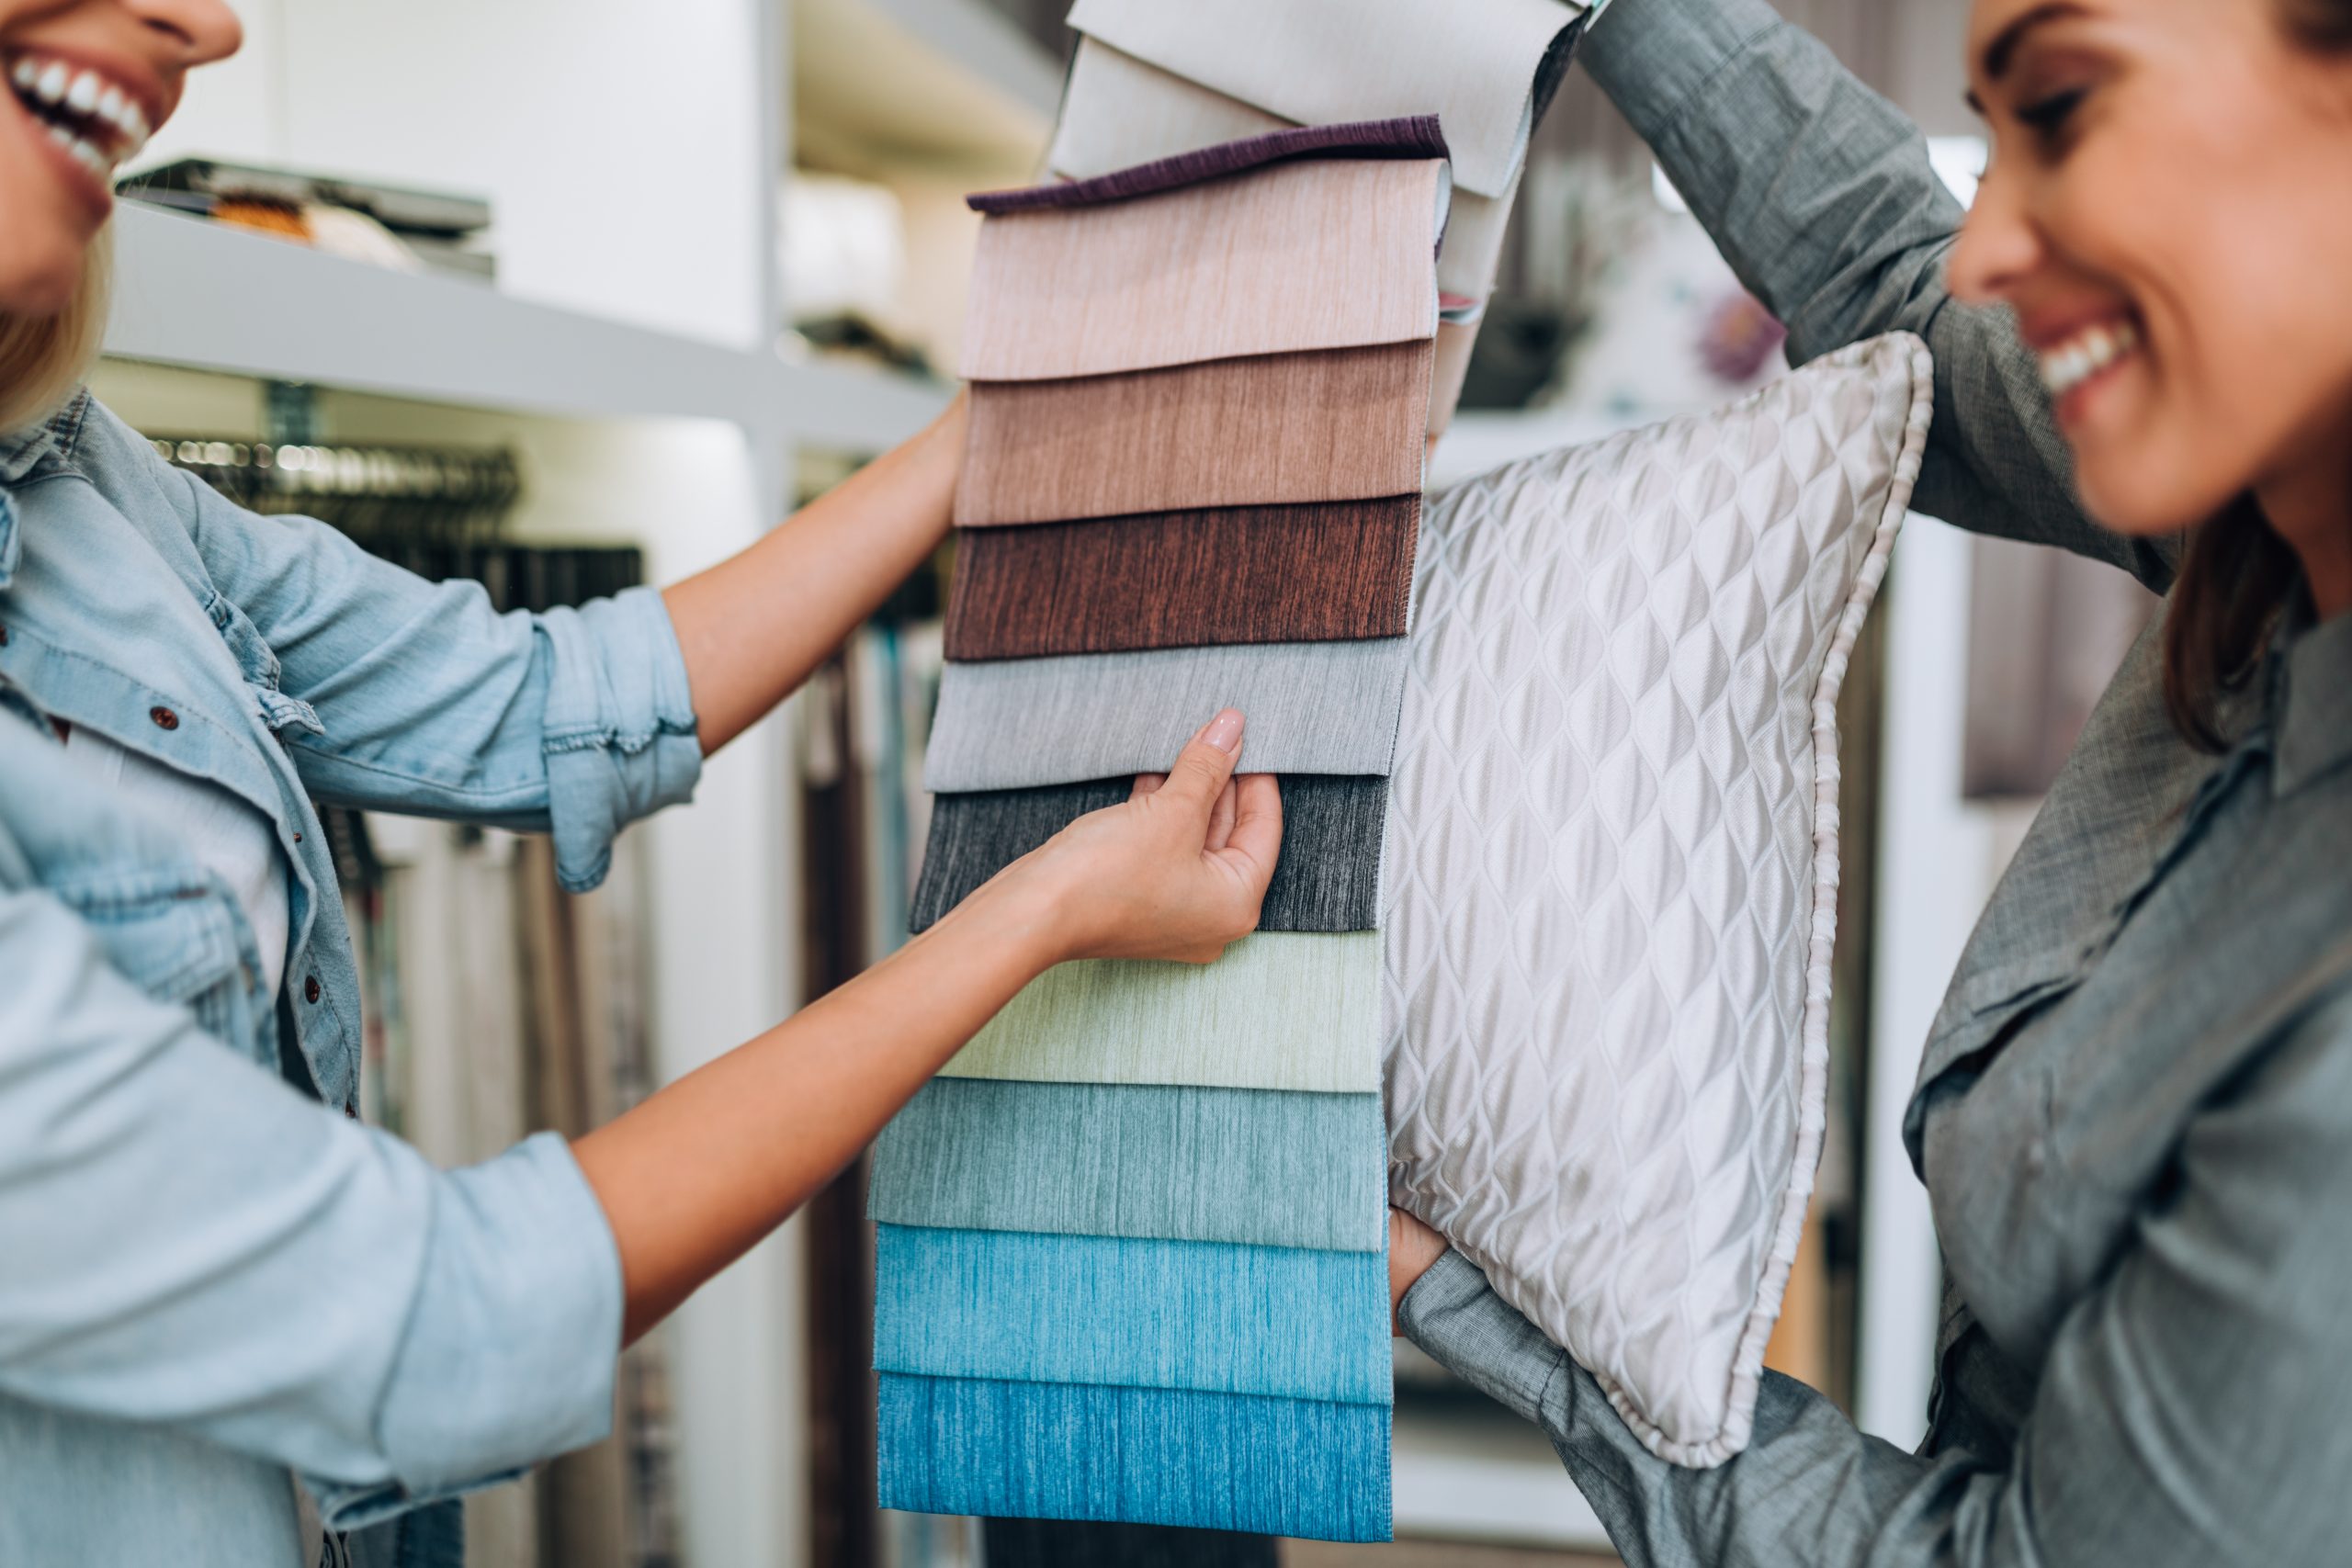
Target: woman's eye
{"x":2047,"y":116}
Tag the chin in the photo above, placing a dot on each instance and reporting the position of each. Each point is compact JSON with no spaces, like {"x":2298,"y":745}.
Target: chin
{"x":2134,"y":489}
{"x":40,"y":286}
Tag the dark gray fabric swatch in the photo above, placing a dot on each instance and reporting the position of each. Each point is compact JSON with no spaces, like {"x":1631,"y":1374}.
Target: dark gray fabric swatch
{"x":1326,"y":880}
{"x":1266,"y":1168}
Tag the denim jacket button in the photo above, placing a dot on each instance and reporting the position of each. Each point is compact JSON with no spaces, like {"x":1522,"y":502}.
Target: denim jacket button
{"x":164,"y":718}
{"x":310,"y":989}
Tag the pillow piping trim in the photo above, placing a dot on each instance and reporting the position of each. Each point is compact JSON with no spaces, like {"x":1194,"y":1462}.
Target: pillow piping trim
{"x":1747,"y":1364}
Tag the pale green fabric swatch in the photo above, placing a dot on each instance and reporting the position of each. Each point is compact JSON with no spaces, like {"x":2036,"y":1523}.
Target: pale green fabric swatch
{"x":1280,"y":1010}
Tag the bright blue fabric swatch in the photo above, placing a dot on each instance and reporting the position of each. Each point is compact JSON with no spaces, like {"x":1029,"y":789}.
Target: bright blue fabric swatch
{"x":1147,"y":1456}
{"x":1211,"y":1316}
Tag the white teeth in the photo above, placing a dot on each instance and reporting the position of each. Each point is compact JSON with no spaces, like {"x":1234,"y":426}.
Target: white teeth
{"x":92,"y":99}
{"x":110,"y":106}
{"x":83,"y":96}
{"x":2069,"y":365}
{"x":52,"y":84}
{"x":25,"y":75}
{"x":134,"y":126}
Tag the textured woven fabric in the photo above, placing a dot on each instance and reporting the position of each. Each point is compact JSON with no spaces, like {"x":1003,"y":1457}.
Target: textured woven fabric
{"x":1413,"y":137}
{"x":1610,"y":873}
{"x":1334,"y":424}
{"x":1326,"y":880}
{"x":1260,"y":1166}
{"x":1117,"y":112}
{"x":1306,"y":254}
{"x":1313,"y":708}
{"x":1292,"y":1467}
{"x":1449,"y":369}
{"x":1474,"y":62}
{"x":1338,"y":571}
{"x":1212,"y":1316}
{"x":1277,"y":1011}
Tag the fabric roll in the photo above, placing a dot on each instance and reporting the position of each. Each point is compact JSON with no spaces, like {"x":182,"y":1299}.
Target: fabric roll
{"x":1307,"y":255}
{"x":1119,"y":112}
{"x":1417,"y":136}
{"x":1211,"y":1316}
{"x":1334,"y":424}
{"x":1456,"y":340}
{"x":1336,"y":571}
{"x":1313,"y":708}
{"x":1328,"y":878}
{"x":1277,"y":1011}
{"x":1259,"y":1167}
{"x":1476,"y":63}
{"x":1300,"y":1467}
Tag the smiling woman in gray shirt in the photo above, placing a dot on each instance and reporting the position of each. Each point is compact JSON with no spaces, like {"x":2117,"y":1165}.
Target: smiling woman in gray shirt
{"x":2134,"y":1113}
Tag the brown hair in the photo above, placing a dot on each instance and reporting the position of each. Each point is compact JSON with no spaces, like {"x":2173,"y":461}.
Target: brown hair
{"x":43,"y":358}
{"x":2237,"y":572}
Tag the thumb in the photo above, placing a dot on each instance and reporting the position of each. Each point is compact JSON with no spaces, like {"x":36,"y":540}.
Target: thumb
{"x":1202,"y":769}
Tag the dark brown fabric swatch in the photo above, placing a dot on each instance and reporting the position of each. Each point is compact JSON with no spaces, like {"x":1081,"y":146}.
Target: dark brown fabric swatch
{"x":1334,"y":424}
{"x":1311,"y":573}
{"x":1416,"y":136}
{"x":1326,"y":880}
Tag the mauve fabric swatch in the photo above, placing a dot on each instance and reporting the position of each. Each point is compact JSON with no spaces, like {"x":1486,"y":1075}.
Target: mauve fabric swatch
{"x":1416,"y":137}
{"x":1118,"y":111}
{"x":1173,"y":1161}
{"x":1277,"y":1011}
{"x":1212,"y":1316}
{"x":1331,"y":571}
{"x":1328,"y":878}
{"x":1478,"y":64}
{"x":1313,"y":708}
{"x":1330,"y":424}
{"x":1292,"y":1467}
{"x":1318,"y":254}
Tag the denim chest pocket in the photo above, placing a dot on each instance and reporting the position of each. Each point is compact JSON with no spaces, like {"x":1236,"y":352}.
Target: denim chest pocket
{"x":179,"y":937}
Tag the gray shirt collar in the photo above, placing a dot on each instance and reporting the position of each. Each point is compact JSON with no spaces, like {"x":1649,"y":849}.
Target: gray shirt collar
{"x":2314,"y":712}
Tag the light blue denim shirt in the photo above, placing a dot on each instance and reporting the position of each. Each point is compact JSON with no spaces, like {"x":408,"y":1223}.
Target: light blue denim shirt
{"x":208,"y":1277}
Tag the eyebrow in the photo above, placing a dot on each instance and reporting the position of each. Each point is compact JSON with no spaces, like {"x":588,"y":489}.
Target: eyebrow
{"x":2004,"y":47}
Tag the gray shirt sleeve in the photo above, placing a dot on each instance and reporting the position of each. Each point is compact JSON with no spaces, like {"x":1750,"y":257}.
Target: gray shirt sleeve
{"x":1819,"y":193}
{"x":2190,"y":1410}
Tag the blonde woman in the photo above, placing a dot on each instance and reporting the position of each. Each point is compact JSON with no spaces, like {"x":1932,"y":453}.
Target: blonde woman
{"x":235,"y":1324}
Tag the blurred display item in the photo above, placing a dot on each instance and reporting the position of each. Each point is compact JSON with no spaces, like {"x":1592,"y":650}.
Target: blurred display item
{"x":406,"y":231}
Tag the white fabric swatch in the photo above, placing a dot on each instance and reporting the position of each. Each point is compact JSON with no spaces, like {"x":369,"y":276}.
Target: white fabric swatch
{"x":1471,"y":62}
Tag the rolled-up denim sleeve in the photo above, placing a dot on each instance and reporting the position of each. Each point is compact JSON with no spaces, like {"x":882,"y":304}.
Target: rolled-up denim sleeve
{"x":1821,"y":196}
{"x":425,"y":700}
{"x":192,"y":1244}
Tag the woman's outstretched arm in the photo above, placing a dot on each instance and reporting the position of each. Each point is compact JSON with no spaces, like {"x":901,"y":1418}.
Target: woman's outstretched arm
{"x":700,"y":1172}
{"x":755,"y":626}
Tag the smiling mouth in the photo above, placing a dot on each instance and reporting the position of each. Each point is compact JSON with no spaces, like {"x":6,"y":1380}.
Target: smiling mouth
{"x":2068,"y":363}
{"x":98,"y":125}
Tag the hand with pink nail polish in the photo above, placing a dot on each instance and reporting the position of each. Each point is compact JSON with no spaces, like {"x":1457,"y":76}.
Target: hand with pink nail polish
{"x":1175,"y":872}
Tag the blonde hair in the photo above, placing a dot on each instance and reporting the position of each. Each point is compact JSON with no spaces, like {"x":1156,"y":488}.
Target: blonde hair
{"x":43,"y":358}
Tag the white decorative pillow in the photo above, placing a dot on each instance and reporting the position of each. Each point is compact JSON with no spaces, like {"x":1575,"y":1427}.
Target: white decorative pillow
{"x":1610,"y":873}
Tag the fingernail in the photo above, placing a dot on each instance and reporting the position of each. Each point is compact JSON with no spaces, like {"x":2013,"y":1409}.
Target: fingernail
{"x":1224,"y":731}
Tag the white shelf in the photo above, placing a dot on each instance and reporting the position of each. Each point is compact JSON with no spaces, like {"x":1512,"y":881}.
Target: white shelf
{"x":195,"y":294}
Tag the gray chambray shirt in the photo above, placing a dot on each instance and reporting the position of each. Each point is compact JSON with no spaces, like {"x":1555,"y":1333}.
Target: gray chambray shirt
{"x":2134,"y":1113}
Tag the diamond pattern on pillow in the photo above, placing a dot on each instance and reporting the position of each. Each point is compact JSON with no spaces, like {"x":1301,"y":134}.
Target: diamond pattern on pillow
{"x":1610,"y":870}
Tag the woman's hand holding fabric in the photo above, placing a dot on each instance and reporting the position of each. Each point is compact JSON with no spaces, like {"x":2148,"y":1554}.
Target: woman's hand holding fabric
{"x":1175,"y":872}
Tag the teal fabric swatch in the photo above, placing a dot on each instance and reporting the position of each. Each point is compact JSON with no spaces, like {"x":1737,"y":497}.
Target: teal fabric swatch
{"x":1206,"y":1315}
{"x":1291,"y":1467}
{"x":1175,"y":1162}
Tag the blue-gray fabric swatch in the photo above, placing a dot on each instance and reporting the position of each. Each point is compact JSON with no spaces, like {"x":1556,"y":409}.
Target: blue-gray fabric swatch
{"x":1206,"y":1315}
{"x":1173,"y":1161}
{"x":1291,"y":1467}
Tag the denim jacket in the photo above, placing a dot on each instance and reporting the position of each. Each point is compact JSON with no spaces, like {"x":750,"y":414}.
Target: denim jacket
{"x":212,"y":1278}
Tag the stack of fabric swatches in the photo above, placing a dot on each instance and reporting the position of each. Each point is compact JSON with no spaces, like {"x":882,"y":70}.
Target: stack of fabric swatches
{"x":1152,"y":79}
{"x":1131,"y":1244}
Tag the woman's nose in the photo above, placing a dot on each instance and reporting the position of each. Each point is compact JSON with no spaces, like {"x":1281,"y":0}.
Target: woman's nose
{"x":204,"y":31}
{"x":1998,"y":245}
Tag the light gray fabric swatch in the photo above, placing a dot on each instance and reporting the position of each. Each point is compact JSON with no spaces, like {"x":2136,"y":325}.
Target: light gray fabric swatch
{"x":1279,"y":1010}
{"x":1260,"y":1166}
{"x":1313,"y":708}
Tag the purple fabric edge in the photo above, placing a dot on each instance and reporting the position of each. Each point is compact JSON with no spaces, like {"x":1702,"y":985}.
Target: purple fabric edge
{"x":1413,"y":135}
